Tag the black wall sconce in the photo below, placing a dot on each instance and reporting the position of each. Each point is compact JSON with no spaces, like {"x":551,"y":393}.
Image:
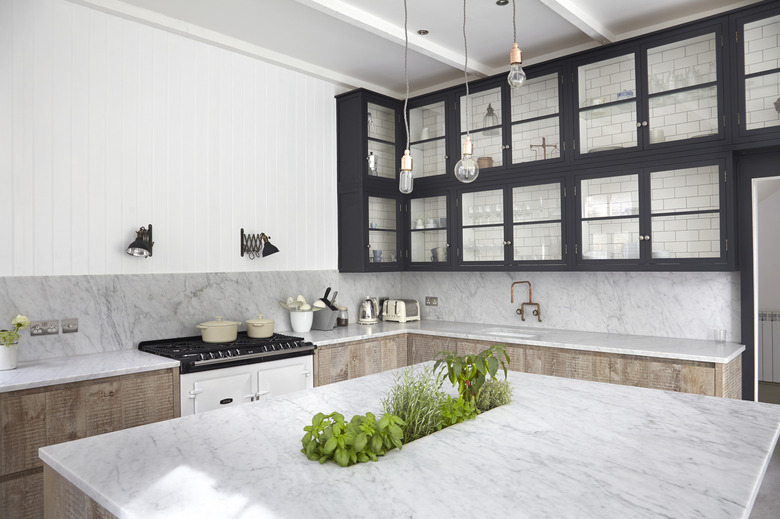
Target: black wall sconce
{"x":256,"y":245}
{"x":142,"y":246}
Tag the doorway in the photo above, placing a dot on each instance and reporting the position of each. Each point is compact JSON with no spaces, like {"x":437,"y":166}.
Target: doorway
{"x":758,"y":208}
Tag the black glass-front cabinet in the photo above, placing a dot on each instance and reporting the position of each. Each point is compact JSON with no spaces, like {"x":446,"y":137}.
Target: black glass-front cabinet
{"x":616,"y":158}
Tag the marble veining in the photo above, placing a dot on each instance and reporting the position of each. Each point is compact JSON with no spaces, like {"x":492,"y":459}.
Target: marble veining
{"x":62,"y":370}
{"x":116,"y":312}
{"x":562,"y":448}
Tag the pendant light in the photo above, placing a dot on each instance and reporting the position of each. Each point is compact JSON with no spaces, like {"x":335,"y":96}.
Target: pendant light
{"x":466,"y":170}
{"x":516,"y":73}
{"x":406,"y":177}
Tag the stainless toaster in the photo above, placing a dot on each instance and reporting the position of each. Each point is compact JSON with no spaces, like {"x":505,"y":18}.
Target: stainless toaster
{"x":401,"y":310}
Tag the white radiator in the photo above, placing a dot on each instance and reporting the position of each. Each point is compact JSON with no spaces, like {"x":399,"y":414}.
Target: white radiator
{"x":769,"y":346}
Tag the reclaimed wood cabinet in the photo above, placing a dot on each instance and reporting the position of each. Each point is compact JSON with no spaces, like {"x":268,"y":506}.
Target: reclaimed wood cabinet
{"x":33,"y":418}
{"x":344,"y":361}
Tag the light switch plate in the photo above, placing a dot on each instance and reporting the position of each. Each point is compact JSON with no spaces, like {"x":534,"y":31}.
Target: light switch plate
{"x":70,"y":325}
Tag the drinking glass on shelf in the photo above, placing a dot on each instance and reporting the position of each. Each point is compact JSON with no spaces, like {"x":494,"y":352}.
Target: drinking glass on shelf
{"x":488,"y":213}
{"x":479,"y":215}
{"x":498,"y":210}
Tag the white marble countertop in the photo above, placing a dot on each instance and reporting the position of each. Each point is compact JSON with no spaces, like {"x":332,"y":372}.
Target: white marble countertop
{"x":661,"y":347}
{"x":562,"y":448}
{"x":61,"y":370}
{"x":47,"y":372}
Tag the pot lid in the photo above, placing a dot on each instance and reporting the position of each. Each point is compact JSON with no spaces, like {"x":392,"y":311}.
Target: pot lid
{"x":219,"y":323}
{"x":260,"y":320}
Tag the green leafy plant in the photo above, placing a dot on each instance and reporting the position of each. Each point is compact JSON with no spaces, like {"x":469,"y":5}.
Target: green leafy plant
{"x":9,"y":337}
{"x":456,"y":410}
{"x":469,"y":372}
{"x":494,"y":393}
{"x":417,"y":400}
{"x":361,"y":439}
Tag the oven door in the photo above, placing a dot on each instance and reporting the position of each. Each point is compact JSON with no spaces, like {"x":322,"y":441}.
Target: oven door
{"x":215,"y":389}
{"x":284,"y":376}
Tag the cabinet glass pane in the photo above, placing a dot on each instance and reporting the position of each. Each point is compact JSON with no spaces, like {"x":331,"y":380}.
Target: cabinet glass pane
{"x":762,"y":39}
{"x":684,"y":115}
{"x":536,"y":203}
{"x":429,"y":246}
{"x":429,"y":158}
{"x":610,"y":239}
{"x":606,"y":81}
{"x":426,"y":122}
{"x":680,"y":190}
{"x":381,"y":162}
{"x":381,"y":122}
{"x":485,"y":110}
{"x":610,"y":196}
{"x":682,"y":64}
{"x":429,"y":213}
{"x":483,"y":207}
{"x":686,"y":236}
{"x":761,"y":93}
{"x":535,"y":140}
{"x":483,"y":243}
{"x":608,"y":128}
{"x":535,"y":98}
{"x":382,"y":214}
{"x":535,"y":242}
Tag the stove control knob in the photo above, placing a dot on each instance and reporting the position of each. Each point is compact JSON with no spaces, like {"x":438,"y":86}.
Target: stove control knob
{"x":211,"y":354}
{"x":237,"y":352}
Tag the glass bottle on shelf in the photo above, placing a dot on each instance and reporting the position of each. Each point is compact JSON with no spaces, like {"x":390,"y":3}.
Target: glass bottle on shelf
{"x":428,"y":222}
{"x":381,"y":139}
{"x":382,"y":236}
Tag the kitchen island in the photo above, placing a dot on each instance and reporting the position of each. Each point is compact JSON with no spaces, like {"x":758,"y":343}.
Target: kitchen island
{"x":562,"y":448}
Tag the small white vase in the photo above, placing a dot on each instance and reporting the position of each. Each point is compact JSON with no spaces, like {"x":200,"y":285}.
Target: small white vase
{"x":8,"y":356}
{"x":301,"y":321}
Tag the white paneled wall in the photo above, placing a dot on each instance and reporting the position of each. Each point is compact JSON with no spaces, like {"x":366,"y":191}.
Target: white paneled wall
{"x":107,"y":125}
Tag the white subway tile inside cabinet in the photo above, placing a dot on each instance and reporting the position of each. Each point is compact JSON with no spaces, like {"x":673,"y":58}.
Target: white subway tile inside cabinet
{"x":684,"y":115}
{"x":536,"y":217}
{"x":534,"y":138}
{"x":427,"y":122}
{"x":382,"y":236}
{"x":427,"y":133}
{"x":603,"y":81}
{"x":610,"y":239}
{"x":429,"y":158}
{"x":384,"y":159}
{"x":488,"y":140}
{"x":761,"y":92}
{"x":483,"y":207}
{"x":682,"y":64}
{"x":762,"y":39}
{"x":428,"y":222}
{"x":381,"y":123}
{"x":610,"y":196}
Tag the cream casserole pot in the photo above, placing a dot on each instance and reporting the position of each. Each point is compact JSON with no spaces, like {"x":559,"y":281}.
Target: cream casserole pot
{"x":260,"y":328}
{"x":219,"y":330}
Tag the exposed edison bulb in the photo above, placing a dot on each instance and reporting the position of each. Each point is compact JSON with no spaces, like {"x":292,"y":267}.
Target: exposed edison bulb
{"x":467,"y":170}
{"x":516,"y":73}
{"x":406,"y":177}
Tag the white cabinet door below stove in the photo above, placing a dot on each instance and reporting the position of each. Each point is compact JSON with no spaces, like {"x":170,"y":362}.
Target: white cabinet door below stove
{"x":219,"y":391}
{"x":284,"y":376}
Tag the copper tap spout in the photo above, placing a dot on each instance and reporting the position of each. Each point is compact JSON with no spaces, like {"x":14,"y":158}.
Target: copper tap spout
{"x":521,"y":311}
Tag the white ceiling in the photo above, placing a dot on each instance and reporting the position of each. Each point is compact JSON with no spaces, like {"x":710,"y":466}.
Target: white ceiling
{"x":360,"y":43}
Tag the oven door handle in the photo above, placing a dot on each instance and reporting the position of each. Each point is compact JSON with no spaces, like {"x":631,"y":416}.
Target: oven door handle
{"x":195,"y":392}
{"x":261,"y":393}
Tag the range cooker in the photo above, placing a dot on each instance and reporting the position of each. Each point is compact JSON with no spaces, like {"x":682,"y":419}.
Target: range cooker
{"x":216,"y":375}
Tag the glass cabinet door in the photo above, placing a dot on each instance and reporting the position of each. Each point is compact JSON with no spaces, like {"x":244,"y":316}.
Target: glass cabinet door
{"x":428,"y":139}
{"x":381,"y":159}
{"x":536,"y":129}
{"x":761,"y":40}
{"x":428,"y":229}
{"x":536,"y":223}
{"x":607,"y":104}
{"x":485,"y":116}
{"x":610,"y":218}
{"x":685,"y":213}
{"x":382,"y":230}
{"x":482,"y":215}
{"x":682,"y":89}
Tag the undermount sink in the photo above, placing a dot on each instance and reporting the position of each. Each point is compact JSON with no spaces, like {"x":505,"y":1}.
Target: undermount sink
{"x":507,"y":332}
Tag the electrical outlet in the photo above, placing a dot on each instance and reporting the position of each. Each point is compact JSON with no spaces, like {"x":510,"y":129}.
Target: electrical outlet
{"x":70,"y":325}
{"x":44,"y":328}
{"x":431,"y":301}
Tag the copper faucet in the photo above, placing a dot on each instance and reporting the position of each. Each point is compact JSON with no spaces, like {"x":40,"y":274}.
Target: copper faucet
{"x":521,"y":311}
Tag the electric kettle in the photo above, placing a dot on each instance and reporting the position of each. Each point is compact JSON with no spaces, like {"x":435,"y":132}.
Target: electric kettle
{"x":369,"y":310}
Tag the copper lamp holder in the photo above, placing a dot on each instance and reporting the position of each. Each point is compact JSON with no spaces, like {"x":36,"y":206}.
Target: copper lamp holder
{"x":515,"y":55}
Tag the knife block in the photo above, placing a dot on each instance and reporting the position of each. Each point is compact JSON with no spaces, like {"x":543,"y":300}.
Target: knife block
{"x":324,"y":319}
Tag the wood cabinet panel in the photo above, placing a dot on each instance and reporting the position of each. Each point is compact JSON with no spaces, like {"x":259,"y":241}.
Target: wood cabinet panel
{"x":33,"y":418}
{"x":357,"y":358}
{"x":423,"y":348}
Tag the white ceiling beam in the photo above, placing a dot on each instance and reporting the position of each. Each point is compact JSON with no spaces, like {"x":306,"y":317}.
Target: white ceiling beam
{"x":196,"y":32}
{"x":369,"y":22}
{"x":567,"y":10}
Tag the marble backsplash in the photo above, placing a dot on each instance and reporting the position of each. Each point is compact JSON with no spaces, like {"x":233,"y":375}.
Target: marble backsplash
{"x":117,"y":311}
